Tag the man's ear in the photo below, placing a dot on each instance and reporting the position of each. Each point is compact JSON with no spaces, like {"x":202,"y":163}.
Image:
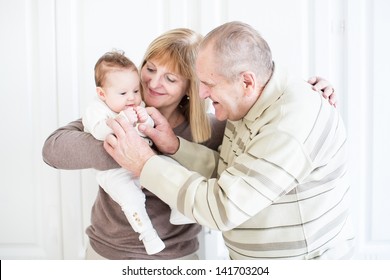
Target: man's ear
{"x":248,"y":82}
{"x":101,"y":94}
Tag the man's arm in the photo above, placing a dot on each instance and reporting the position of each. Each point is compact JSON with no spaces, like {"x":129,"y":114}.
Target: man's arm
{"x":219,"y":204}
{"x":187,"y":191}
{"x":131,"y":153}
{"x":197,"y":158}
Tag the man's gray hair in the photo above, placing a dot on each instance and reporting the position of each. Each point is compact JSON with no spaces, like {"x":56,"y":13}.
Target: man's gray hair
{"x":238,"y":47}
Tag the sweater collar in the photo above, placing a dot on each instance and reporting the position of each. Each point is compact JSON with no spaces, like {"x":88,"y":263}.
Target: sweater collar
{"x":272,"y":92}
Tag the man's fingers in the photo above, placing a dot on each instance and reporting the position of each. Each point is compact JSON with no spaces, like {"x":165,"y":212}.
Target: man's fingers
{"x":130,"y":115}
{"x":115,"y":126}
{"x":120,"y":126}
{"x":111,"y":140}
{"x":124,"y":124}
{"x":110,"y":143}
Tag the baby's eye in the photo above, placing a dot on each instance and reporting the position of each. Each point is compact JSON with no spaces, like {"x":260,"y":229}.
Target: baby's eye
{"x":122,"y":93}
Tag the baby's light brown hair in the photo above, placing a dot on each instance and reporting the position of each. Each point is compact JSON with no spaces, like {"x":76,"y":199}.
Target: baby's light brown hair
{"x":111,"y":61}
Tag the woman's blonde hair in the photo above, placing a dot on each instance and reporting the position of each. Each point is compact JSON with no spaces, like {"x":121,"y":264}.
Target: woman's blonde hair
{"x":177,"y":50}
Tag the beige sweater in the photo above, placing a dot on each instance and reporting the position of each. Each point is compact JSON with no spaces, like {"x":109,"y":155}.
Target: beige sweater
{"x":281,"y":190}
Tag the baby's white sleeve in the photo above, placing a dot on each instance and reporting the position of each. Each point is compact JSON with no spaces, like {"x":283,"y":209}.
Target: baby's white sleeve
{"x":94,"y":121}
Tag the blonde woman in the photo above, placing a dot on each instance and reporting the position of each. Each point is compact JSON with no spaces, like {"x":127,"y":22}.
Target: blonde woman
{"x":169,"y":84}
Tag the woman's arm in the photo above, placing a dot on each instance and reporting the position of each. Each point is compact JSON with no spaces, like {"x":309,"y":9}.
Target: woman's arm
{"x":69,"y":147}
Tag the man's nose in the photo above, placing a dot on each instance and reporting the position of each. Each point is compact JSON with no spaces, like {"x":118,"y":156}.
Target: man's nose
{"x":203,"y":92}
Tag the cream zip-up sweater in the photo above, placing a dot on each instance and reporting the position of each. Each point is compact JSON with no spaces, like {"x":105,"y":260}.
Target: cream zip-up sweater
{"x":280,"y":189}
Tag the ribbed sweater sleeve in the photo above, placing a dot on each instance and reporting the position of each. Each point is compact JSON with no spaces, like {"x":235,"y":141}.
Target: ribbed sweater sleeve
{"x":71,"y":148}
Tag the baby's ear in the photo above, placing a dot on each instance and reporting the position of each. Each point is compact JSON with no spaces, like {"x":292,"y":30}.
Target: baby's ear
{"x":101,"y":94}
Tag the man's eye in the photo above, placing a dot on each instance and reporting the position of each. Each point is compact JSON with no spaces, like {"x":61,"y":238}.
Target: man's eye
{"x":207,"y":84}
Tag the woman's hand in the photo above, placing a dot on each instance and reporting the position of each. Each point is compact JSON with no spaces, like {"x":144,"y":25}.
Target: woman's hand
{"x":321,"y":85}
{"x":141,"y":113}
{"x":161,"y":134}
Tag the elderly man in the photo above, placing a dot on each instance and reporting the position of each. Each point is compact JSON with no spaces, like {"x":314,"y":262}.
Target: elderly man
{"x":277,"y":189}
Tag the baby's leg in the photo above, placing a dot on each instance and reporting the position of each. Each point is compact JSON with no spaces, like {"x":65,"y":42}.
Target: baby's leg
{"x":125,"y":190}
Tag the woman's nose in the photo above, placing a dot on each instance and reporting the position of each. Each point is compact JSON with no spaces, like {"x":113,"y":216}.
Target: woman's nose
{"x":155,"y":81}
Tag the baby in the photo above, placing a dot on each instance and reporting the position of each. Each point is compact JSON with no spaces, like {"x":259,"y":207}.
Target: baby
{"x":118,"y":90}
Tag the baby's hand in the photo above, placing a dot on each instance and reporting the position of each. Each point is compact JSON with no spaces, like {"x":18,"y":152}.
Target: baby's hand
{"x":130,"y":115}
{"x":142,"y":114}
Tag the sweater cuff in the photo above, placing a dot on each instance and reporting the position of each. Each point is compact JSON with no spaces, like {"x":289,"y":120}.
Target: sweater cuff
{"x":184,"y":150}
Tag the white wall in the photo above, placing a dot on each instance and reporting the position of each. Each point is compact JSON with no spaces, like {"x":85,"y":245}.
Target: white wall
{"x":367,"y":98}
{"x":49,"y":47}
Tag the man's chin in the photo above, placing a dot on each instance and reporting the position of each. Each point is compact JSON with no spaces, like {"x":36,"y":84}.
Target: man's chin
{"x":220,"y":117}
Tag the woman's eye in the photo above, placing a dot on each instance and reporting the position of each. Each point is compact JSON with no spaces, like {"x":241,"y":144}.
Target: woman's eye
{"x":150,"y":69}
{"x":171,"y":79}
